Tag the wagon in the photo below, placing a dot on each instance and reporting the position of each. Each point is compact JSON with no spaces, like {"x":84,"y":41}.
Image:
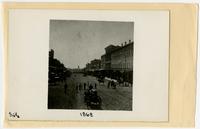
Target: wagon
{"x":92,"y":100}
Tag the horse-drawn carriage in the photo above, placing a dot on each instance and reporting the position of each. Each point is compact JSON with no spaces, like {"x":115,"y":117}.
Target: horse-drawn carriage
{"x":92,"y":100}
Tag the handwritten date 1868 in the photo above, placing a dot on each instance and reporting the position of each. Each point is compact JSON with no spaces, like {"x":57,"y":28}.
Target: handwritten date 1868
{"x":86,"y":114}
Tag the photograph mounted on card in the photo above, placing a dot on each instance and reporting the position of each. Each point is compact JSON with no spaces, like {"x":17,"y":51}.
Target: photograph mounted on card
{"x":70,"y":61}
{"x":87,"y":65}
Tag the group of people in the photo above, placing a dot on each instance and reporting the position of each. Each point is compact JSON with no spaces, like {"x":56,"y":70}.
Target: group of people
{"x":80,"y":87}
{"x":84,"y":86}
{"x":111,"y":84}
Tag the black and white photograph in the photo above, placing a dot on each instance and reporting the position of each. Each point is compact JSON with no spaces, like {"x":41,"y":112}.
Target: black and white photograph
{"x":99,"y":64}
{"x":90,"y":65}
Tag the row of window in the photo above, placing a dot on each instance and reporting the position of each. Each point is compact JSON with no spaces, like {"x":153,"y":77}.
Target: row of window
{"x":122,"y":65}
{"x":122,"y":55}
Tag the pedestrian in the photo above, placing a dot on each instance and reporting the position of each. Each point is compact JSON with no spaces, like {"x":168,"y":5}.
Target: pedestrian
{"x":90,"y":88}
{"x":108,"y":85}
{"x":80,"y":86}
{"x":77,"y":88}
{"x":65,"y":88}
{"x":84,"y":86}
{"x":95,"y":85}
{"x":112,"y":84}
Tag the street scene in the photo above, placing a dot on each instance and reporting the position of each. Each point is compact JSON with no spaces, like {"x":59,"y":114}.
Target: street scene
{"x":88,"y":72}
{"x":115,"y":99}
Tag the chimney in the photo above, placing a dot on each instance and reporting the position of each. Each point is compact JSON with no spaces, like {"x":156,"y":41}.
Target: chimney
{"x":125,"y":44}
{"x":129,"y":41}
{"x":122,"y":44}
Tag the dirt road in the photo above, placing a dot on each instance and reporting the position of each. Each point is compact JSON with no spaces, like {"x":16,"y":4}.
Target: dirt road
{"x":112,"y":99}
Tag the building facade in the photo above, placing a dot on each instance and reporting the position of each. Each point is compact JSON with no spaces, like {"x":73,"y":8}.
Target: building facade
{"x":93,"y":65}
{"x":106,"y":58}
{"x":118,"y":57}
{"x":116,"y":63}
{"x":103,"y":61}
{"x":122,"y":58}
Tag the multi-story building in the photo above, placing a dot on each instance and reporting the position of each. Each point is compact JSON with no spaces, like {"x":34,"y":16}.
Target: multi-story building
{"x":118,"y":57}
{"x":106,"y":58}
{"x":103,"y":61}
{"x":96,"y":64}
{"x":116,"y":63}
{"x":122,"y":58}
{"x":93,"y":65}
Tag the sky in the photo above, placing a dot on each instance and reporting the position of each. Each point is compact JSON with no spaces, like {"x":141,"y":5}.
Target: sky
{"x":76,"y":43}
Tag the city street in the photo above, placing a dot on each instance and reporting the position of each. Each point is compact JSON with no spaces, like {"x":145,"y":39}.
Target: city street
{"x":112,"y":99}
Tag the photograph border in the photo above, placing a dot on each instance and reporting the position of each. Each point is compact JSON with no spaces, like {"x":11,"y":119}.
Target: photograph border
{"x":182,"y":80}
